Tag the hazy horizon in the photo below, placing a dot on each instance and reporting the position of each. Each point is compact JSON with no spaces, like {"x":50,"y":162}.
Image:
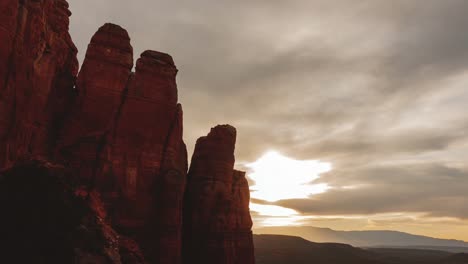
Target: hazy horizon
{"x":350,"y":115}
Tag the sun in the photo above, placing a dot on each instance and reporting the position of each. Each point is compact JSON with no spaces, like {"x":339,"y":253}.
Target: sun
{"x":278,"y":177}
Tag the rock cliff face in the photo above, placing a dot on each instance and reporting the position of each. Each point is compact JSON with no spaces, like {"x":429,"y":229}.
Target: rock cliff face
{"x":120,"y":134}
{"x":124,"y":137}
{"x":217,"y":223}
{"x":64,"y":226}
{"x":37,"y":68}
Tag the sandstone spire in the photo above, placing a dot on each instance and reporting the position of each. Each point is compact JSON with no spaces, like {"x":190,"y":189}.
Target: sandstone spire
{"x":124,"y":137}
{"x":217,"y":223}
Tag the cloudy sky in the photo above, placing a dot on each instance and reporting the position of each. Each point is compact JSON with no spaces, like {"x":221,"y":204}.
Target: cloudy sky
{"x":374,"y":89}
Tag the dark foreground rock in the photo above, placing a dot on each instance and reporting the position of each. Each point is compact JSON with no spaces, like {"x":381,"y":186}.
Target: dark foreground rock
{"x":51,"y":219}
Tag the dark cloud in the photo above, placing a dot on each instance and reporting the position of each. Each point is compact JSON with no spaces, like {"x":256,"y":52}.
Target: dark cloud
{"x":434,"y":189}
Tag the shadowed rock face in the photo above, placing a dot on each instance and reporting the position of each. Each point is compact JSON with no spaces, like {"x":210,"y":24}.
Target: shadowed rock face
{"x":124,"y":136}
{"x":101,"y":82}
{"x":120,"y":132}
{"x":50,"y":220}
{"x":37,"y":68}
{"x":217,"y":223}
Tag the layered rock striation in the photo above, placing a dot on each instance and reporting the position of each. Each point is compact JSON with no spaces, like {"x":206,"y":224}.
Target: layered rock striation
{"x":120,"y":134}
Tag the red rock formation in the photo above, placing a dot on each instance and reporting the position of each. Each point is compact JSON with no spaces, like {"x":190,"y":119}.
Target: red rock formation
{"x":147,"y":156}
{"x":121,"y":133}
{"x":217,"y":222}
{"x":37,"y":68}
{"x":138,"y":141}
{"x":102,"y":80}
{"x":124,"y":136}
{"x":50,"y":220}
{"x":241,"y":219}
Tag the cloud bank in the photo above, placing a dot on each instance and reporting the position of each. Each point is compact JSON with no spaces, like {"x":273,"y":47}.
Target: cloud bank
{"x":376,"y":87}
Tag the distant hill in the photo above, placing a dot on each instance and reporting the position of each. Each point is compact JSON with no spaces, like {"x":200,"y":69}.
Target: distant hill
{"x":432,"y":248}
{"x":411,"y":256}
{"x":368,"y":238}
{"x":461,"y":258}
{"x":280,"y":249}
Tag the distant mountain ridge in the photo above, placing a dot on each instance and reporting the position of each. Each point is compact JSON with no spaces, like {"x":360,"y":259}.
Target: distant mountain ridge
{"x":280,"y":249}
{"x":370,"y":238}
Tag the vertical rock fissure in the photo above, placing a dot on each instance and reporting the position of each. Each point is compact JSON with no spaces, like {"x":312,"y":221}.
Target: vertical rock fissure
{"x":103,"y":140}
{"x":167,"y":139}
{"x":123,"y":99}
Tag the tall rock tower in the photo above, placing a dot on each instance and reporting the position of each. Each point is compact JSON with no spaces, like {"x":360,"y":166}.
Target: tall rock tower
{"x":124,"y":137}
{"x":217,"y":222}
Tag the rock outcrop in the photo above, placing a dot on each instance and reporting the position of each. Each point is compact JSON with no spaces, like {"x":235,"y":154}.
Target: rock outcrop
{"x":37,"y":69}
{"x":120,"y":134}
{"x":51,"y":220}
{"x":217,"y":222}
{"x":124,"y":136}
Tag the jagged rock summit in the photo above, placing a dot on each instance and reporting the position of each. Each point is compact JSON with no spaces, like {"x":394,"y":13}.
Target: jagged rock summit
{"x":113,"y":139}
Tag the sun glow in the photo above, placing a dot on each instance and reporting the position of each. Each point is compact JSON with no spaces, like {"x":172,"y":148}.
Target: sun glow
{"x":278,"y":177}
{"x":272,"y":210}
